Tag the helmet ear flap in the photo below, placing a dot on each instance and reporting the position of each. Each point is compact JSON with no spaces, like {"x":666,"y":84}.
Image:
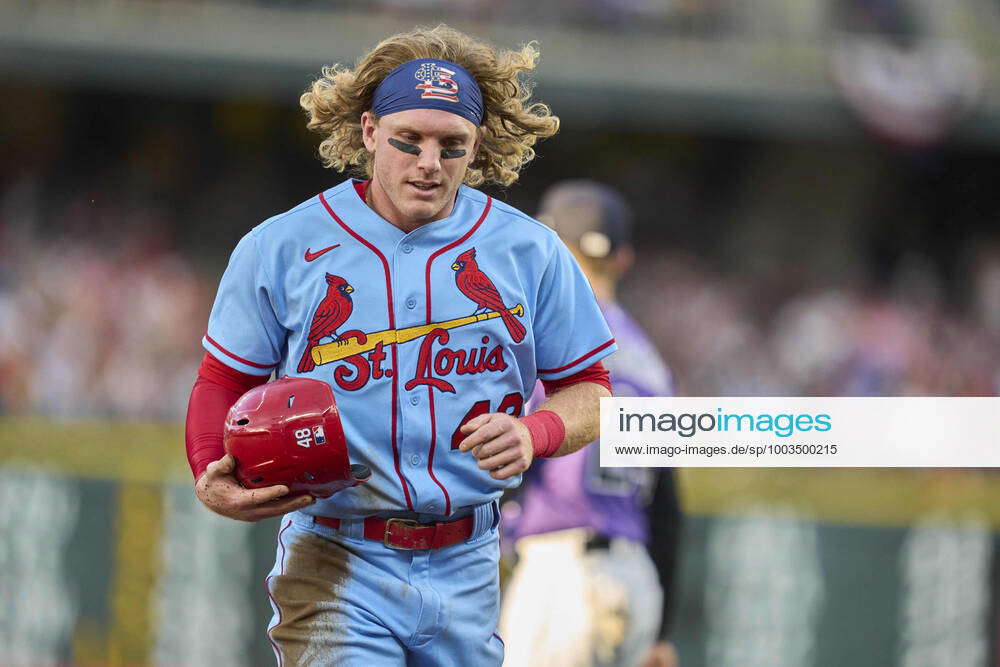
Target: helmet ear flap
{"x":289,"y":432}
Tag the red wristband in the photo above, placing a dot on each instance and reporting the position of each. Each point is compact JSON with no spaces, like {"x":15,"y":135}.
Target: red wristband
{"x":547,"y":431}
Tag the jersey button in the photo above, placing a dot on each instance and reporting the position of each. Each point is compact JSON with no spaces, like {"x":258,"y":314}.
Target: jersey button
{"x":411,"y":303}
{"x":407,"y":248}
{"x":414,"y":399}
{"x":415,"y":460}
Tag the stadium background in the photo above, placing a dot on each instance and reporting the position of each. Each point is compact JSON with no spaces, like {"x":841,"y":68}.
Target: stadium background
{"x":815,"y":183}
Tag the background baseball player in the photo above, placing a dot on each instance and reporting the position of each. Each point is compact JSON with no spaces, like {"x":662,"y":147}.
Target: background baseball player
{"x":597,"y":547}
{"x":431,"y":310}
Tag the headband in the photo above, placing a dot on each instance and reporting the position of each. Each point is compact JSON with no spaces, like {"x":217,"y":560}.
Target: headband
{"x":429,"y":83}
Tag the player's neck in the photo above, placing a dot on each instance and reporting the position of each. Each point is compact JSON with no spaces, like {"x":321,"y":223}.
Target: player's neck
{"x":378,"y":201}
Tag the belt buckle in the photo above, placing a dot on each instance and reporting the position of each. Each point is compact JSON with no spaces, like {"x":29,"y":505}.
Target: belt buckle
{"x":388,"y":528}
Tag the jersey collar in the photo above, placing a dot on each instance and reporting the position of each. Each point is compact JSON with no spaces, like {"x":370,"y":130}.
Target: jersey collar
{"x":346,"y":201}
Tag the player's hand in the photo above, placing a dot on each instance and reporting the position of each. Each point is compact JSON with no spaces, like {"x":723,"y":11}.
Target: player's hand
{"x":660,"y":654}
{"x":219,"y":491}
{"x":500,"y":442}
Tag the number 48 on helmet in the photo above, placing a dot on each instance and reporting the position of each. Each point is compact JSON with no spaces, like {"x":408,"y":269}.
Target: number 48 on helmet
{"x":289,"y":432}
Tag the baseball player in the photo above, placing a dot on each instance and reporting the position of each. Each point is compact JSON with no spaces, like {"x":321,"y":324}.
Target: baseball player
{"x":430,"y":309}
{"x":596,"y":547}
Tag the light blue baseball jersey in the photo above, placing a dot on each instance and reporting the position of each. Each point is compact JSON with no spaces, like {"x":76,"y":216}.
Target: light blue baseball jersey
{"x":411,"y":348}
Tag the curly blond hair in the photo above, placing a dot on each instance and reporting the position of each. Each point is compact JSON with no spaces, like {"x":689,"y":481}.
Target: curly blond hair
{"x":511,"y":122}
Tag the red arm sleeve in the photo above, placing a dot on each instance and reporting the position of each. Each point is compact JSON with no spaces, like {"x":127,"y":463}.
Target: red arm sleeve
{"x":215,"y":391}
{"x":595,"y":373}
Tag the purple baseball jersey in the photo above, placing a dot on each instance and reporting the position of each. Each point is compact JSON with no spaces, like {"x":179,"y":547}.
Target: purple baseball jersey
{"x":574,"y":491}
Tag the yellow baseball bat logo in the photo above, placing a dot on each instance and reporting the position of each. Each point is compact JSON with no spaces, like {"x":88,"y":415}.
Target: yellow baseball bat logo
{"x":348,"y":347}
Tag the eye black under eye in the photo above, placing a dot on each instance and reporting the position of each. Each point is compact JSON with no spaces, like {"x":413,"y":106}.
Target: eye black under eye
{"x":451,"y":153}
{"x":405,"y":147}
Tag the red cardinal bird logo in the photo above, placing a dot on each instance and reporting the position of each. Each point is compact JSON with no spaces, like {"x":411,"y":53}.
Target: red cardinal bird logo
{"x":476,"y":285}
{"x":331,"y":312}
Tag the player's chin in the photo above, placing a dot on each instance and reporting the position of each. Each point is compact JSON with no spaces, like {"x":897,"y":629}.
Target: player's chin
{"x":425,"y":210}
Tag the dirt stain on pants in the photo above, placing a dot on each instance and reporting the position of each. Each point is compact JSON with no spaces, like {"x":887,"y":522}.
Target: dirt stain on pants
{"x":307,"y":595}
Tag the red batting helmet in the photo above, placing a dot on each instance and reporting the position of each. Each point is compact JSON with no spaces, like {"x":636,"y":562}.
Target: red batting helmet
{"x":289,"y":432}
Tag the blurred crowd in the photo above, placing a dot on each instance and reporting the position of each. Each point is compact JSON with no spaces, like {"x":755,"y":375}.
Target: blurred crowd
{"x":88,"y":331}
{"x":100,"y":315}
{"x":115,"y":225}
{"x":85,"y":332}
{"x":115,"y":222}
{"x":899,"y":339}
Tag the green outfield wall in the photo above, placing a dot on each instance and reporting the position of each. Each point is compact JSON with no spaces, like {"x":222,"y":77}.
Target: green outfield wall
{"x":109,"y":559}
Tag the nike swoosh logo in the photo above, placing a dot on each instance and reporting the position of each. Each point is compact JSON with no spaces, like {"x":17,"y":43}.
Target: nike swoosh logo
{"x":310,"y":256}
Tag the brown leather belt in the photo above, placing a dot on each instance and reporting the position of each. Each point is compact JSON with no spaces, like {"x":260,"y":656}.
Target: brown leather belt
{"x":407,"y":534}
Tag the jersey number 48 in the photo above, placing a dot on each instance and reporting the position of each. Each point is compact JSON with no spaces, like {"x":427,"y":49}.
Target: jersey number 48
{"x":512,"y":404}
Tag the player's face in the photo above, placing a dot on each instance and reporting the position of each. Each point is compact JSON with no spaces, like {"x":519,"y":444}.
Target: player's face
{"x":420,"y":158}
